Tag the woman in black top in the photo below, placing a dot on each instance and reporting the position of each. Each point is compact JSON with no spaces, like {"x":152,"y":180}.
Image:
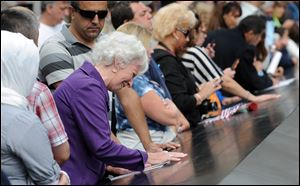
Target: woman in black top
{"x":171,"y":30}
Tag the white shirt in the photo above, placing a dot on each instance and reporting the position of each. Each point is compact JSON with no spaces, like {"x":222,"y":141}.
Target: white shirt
{"x":248,"y":9}
{"x":47,"y":31}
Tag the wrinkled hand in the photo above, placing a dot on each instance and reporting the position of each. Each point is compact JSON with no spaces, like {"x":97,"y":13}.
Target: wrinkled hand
{"x":153,"y":147}
{"x":117,"y":170}
{"x":160,"y":157}
{"x":266,"y":97}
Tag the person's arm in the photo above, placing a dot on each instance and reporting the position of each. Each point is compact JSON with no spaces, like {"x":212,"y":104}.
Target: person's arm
{"x":114,"y":138}
{"x":47,"y":112}
{"x":159,"y":109}
{"x":246,"y":74}
{"x":61,"y":152}
{"x":89,"y":105}
{"x":56,"y":85}
{"x":231,"y":86}
{"x":56,"y":63}
{"x":133,"y":109}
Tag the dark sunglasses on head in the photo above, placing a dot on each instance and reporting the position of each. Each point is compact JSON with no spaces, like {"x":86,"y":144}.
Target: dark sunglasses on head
{"x":184,"y":32}
{"x":91,"y":14}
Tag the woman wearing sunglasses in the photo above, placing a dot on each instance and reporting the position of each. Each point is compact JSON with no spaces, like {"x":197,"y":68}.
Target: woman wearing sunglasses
{"x":172,"y":30}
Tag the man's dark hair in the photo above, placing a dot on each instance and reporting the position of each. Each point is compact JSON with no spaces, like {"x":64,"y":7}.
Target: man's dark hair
{"x":22,"y":20}
{"x":120,"y":13}
{"x":254,"y":22}
{"x":75,"y":4}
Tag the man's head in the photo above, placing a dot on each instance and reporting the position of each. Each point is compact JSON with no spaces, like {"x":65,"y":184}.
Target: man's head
{"x":134,"y":11}
{"x":121,"y":13}
{"x":142,"y":14}
{"x":22,"y":20}
{"x":88,"y":19}
{"x":55,"y":11}
{"x":253,"y":28}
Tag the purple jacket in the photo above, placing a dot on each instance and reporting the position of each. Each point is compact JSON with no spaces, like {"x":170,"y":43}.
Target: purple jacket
{"x":83,"y":104}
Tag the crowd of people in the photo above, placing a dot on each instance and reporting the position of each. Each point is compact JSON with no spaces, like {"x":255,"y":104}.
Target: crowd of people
{"x":91,"y":88}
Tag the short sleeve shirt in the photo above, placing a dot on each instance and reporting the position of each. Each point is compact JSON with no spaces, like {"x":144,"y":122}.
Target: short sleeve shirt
{"x":60,"y":55}
{"x":142,"y":85}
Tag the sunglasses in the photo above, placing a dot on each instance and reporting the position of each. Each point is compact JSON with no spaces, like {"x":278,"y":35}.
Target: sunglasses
{"x":91,"y":14}
{"x":184,"y":32}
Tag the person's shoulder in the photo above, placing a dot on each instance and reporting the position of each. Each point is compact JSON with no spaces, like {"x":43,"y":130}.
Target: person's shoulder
{"x":141,"y":79}
{"x":160,"y":54}
{"x":55,"y":40}
{"x":39,"y":87}
{"x":20,"y":117}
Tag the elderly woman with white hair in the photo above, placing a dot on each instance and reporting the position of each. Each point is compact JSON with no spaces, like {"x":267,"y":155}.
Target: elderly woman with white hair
{"x":83,"y":103}
{"x":26,"y":156}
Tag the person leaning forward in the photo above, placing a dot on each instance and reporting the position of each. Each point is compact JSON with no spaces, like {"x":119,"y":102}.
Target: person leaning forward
{"x":66,"y":51}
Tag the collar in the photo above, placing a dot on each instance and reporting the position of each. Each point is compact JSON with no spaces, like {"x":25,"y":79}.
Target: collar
{"x":70,"y":38}
{"x":89,"y":69}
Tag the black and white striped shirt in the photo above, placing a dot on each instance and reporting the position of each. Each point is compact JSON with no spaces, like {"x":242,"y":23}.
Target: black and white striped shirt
{"x":202,"y":67}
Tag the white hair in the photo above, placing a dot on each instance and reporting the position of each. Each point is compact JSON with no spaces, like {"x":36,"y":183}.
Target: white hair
{"x":118,"y":46}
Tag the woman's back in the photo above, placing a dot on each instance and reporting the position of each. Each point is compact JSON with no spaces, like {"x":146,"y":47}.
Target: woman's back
{"x":26,"y":156}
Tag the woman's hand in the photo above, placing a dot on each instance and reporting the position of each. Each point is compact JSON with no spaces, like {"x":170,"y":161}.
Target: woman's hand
{"x":229,"y":72}
{"x":117,"y":170}
{"x":265,"y":97}
{"x":160,"y":157}
{"x":209,"y":50}
{"x":206,"y":89}
{"x":155,"y":147}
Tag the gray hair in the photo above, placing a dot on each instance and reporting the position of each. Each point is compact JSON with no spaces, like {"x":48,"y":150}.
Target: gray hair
{"x":122,"y":47}
{"x":45,"y":4}
{"x":22,"y":20}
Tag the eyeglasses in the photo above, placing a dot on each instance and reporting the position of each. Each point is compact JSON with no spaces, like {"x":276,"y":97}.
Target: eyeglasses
{"x":91,"y":14}
{"x":184,"y":32}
